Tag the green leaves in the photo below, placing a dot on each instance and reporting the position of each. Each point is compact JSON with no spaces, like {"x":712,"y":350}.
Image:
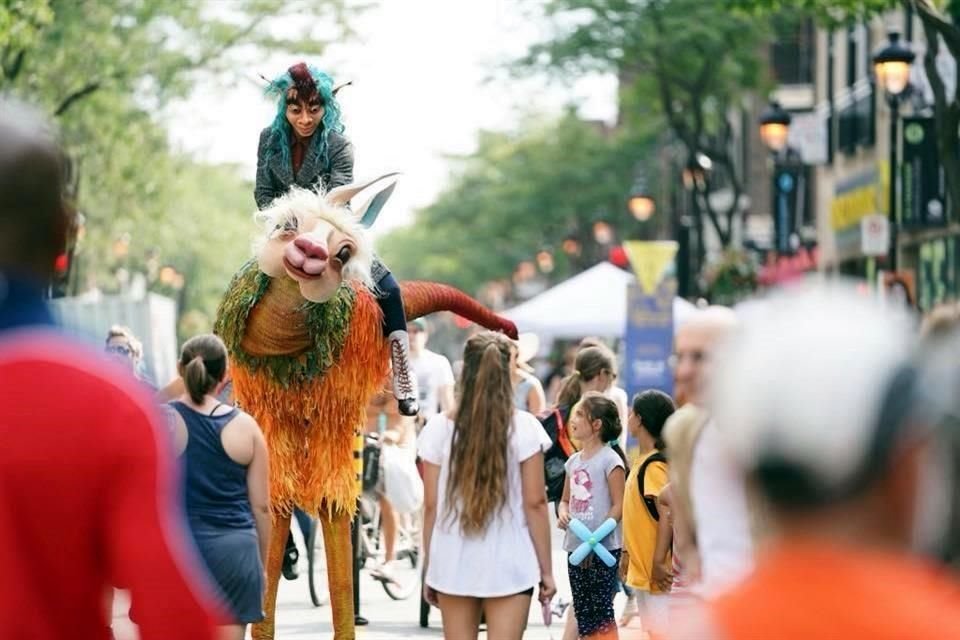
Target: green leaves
{"x":104,"y":69}
{"x":521,"y":193}
{"x":830,"y":13}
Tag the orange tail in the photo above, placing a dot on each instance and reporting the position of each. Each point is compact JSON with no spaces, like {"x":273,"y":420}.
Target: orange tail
{"x":421,"y":298}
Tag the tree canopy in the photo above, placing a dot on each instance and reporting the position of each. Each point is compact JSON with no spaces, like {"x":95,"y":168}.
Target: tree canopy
{"x":103,"y":69}
{"x":519,"y":194}
{"x":686,"y":63}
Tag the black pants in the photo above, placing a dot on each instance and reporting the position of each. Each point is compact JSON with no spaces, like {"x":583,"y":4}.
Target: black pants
{"x":304,"y":521}
{"x":391,"y":303}
{"x":593,"y":585}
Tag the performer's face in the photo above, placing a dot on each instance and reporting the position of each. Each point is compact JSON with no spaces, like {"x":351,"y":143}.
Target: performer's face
{"x":304,"y":118}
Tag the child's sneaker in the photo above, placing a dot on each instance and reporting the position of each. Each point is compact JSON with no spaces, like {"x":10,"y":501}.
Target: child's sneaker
{"x":630,"y":611}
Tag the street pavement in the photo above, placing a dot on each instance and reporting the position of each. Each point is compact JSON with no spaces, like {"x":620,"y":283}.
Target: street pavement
{"x":298,"y":619}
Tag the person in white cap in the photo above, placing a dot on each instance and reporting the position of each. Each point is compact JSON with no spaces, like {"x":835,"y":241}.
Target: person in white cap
{"x":823,"y":405}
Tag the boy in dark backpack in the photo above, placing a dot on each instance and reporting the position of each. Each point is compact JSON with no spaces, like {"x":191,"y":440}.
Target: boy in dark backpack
{"x":645,"y":563}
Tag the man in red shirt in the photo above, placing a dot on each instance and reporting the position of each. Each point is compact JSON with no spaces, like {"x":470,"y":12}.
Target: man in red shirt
{"x":836,"y":421}
{"x":88,"y":497}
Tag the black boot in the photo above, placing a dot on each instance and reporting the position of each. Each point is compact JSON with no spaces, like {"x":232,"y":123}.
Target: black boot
{"x":290,"y":558}
{"x":404,"y":381}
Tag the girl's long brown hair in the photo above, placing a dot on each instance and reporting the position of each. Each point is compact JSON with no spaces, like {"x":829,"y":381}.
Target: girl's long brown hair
{"x":477,"y":486}
{"x":590,"y":362}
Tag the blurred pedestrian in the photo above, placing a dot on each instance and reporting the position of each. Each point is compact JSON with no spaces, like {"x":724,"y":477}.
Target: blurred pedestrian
{"x":486,"y":530}
{"x":592,"y":494}
{"x":832,"y":438}
{"x":82,"y":450}
{"x":398,"y":461}
{"x":554,"y":380}
{"x":720,"y":520}
{"x":615,"y":392}
{"x":432,"y":370}
{"x":527,"y":391}
{"x":227,"y":482}
{"x":647,"y":563}
{"x":124,"y":345}
{"x":594,"y":372}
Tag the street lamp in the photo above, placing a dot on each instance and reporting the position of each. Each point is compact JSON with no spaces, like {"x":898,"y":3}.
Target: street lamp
{"x":602,"y":232}
{"x":892,"y":66}
{"x":774,"y":127}
{"x":787,"y":175}
{"x":641,"y":206}
{"x":545,"y":261}
{"x":640,"y":202}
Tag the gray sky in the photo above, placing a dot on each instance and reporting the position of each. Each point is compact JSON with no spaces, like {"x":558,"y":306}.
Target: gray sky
{"x":418,"y":68}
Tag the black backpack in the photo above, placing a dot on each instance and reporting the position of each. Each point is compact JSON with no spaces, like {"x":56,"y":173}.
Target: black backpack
{"x":650,"y":501}
{"x":554,"y":472}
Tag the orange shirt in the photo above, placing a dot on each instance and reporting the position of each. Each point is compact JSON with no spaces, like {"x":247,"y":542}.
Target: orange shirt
{"x":804,"y":590}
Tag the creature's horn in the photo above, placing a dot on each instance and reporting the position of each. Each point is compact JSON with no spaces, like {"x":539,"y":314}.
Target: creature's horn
{"x":343,"y":194}
{"x":341,"y":86}
{"x":421,"y":298}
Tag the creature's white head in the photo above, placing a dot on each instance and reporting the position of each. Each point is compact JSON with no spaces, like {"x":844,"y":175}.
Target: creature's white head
{"x":314,"y":240}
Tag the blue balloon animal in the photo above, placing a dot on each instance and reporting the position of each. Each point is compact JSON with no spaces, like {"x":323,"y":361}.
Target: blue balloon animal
{"x":591,"y":541}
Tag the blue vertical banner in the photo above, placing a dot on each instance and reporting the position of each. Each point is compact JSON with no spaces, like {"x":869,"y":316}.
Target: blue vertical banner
{"x":649,"y":332}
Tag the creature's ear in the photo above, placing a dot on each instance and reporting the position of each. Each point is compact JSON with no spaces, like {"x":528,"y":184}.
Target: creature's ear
{"x":369,"y":211}
{"x":343,"y":194}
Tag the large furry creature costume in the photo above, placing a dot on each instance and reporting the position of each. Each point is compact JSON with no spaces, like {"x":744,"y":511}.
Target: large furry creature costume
{"x":307,"y":353}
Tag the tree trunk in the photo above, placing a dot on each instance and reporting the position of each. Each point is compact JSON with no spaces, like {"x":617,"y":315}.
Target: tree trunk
{"x":946,"y":114}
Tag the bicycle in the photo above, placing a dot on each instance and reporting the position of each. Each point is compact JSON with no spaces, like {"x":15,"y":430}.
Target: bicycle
{"x":404,"y":577}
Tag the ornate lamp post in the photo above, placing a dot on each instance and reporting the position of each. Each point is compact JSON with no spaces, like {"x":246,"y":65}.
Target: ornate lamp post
{"x":892,"y":67}
{"x":787,"y":175}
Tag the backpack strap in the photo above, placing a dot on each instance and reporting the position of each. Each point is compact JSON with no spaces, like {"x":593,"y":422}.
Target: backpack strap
{"x":650,"y":502}
{"x":563,"y":438}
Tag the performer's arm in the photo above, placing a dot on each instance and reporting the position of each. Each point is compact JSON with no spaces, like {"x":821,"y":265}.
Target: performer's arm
{"x":341,"y":165}
{"x":264,"y":191}
{"x":146,"y":536}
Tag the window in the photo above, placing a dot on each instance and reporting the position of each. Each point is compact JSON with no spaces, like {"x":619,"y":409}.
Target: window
{"x":792,"y":52}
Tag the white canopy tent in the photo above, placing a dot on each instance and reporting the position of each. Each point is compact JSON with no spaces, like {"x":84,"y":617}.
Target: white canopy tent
{"x":591,"y":303}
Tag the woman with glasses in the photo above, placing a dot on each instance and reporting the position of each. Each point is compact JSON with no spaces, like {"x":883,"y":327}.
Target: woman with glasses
{"x":127,"y":349}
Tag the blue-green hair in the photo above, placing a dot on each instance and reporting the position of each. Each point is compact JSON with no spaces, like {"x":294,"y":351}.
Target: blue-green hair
{"x":278,"y":88}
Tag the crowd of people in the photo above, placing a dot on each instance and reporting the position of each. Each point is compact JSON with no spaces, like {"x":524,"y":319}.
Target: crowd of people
{"x":800,"y":482}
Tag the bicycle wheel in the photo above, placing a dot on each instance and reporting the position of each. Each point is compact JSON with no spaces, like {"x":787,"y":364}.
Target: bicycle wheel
{"x":405,"y":571}
{"x":317,"y":566}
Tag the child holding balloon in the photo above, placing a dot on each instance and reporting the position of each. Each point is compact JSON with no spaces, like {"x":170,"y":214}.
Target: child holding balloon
{"x":592,"y":494}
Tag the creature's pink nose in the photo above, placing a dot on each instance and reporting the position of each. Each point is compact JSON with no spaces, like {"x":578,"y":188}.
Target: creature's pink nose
{"x":312,"y":248}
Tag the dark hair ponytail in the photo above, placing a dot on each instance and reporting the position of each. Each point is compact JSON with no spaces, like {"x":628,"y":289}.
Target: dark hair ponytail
{"x":599,"y":407}
{"x":589,"y":363}
{"x":203,"y":363}
{"x":653,"y":407}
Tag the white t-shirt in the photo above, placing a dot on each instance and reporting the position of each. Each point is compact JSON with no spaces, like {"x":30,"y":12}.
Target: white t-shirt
{"x":719,"y":496}
{"x":619,"y":396}
{"x":501,"y":561}
{"x":433,"y":371}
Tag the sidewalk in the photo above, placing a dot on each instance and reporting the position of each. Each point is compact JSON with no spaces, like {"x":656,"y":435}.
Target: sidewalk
{"x":298,"y":619}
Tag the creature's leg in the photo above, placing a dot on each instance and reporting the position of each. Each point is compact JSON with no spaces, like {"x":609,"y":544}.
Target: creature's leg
{"x":336,"y":540}
{"x":278,"y":542}
{"x":395,"y":329}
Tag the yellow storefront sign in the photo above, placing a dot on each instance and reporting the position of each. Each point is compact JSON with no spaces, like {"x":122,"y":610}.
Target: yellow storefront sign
{"x":859,"y":198}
